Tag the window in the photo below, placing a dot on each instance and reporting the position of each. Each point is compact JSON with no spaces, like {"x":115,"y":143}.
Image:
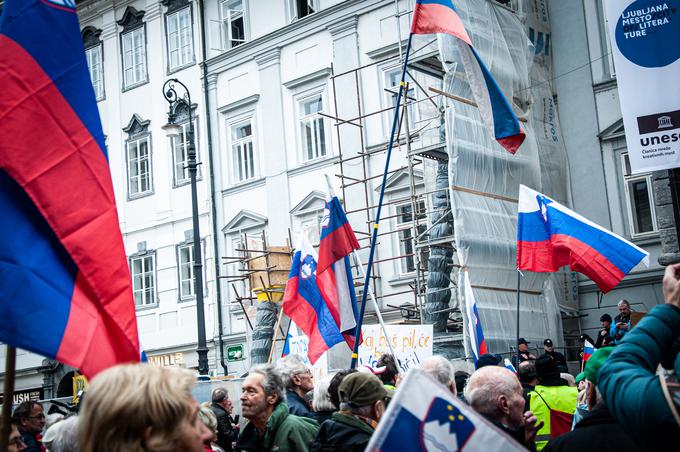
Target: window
{"x":139,"y":166}
{"x":185,"y":264}
{"x":243,"y":155}
{"x":180,"y":155}
{"x":94,"y":64}
{"x":143,"y":279}
{"x":233,"y":23}
{"x":302,"y":8}
{"x":404,"y":217}
{"x":639,"y":201}
{"x":180,"y":46}
{"x":312,"y":127}
{"x":312,"y":222}
{"x":134,"y":57}
{"x":392,"y":80}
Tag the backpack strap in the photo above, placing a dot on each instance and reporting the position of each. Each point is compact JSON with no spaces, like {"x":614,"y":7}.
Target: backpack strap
{"x":546,"y":403}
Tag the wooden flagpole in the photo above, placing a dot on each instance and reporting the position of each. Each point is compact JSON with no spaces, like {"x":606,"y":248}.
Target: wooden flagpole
{"x":374,"y":236}
{"x":8,"y":396}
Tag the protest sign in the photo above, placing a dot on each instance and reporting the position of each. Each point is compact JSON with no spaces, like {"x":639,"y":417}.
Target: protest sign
{"x":644,"y":37}
{"x":411,"y":344}
{"x":298,"y":345}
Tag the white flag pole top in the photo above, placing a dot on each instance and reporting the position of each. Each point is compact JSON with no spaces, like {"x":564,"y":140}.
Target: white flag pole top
{"x":331,"y":192}
{"x":528,"y":203}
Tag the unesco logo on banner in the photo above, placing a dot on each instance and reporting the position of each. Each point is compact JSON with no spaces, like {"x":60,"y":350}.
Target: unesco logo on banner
{"x":660,"y":124}
{"x":648,"y":32}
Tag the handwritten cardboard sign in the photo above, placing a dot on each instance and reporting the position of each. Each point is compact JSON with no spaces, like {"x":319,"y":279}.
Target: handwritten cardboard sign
{"x":411,"y":344}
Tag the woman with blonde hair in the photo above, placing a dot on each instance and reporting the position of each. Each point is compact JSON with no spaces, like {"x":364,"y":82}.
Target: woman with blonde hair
{"x":141,"y":407}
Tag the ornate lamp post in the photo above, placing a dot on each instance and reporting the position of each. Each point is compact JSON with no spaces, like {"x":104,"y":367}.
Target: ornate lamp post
{"x":172,"y":130}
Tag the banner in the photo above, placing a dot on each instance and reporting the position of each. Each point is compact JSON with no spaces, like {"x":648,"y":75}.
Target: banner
{"x":411,"y":343}
{"x":644,"y":38}
{"x":299,"y":345}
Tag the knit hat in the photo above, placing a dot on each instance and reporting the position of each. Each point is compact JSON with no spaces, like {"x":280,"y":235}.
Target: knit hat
{"x":487,"y":360}
{"x":580,"y":377}
{"x":361,"y":389}
{"x":596,"y":362}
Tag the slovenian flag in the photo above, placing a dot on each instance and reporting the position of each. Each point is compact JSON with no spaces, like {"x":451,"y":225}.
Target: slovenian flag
{"x":508,"y":365}
{"x":337,"y":243}
{"x":440,"y":16}
{"x":66,"y":288}
{"x":588,"y":350}
{"x":475,"y":333}
{"x":305,"y":305}
{"x":550,"y":236}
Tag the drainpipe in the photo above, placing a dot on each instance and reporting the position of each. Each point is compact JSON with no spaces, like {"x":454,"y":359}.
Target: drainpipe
{"x":213,"y":199}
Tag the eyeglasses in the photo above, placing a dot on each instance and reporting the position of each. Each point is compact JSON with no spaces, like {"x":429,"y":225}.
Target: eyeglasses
{"x":37,"y":416}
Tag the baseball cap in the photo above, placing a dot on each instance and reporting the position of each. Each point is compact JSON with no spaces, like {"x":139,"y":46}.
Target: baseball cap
{"x":361,"y":389}
{"x":521,"y":341}
{"x":548,"y":342}
{"x":596,"y":362}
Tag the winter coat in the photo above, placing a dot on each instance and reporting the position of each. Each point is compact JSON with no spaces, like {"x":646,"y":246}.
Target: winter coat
{"x":284,"y":432}
{"x":598,"y":431}
{"x":33,"y":444}
{"x":226,"y":434}
{"x":297,"y":405}
{"x":343,"y":432}
{"x":629,"y":384}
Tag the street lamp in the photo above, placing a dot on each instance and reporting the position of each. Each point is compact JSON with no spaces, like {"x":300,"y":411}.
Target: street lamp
{"x":172,"y":130}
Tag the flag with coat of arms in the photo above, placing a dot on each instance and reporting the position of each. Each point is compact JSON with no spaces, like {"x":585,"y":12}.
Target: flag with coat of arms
{"x":424,"y":415}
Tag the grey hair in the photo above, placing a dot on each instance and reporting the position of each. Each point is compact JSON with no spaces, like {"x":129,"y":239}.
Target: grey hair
{"x":486,"y":385}
{"x":289,"y":366}
{"x":364,"y":411}
{"x":219,"y":395}
{"x":272,"y":383}
{"x":622,"y":302}
{"x":67,"y":436}
{"x":208,"y":418}
{"x":322,"y":399}
{"x":440,"y":368}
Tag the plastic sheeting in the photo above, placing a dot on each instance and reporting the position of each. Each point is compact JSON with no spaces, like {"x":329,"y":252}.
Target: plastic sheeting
{"x":485,"y":222}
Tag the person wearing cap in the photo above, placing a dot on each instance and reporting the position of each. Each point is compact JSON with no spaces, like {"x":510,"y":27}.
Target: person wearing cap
{"x":552,"y":401}
{"x":603,"y":337}
{"x":524,"y":353}
{"x":362,"y":403}
{"x":557,"y":356}
{"x":597,"y":431}
{"x":644,"y":402}
{"x":487,"y":359}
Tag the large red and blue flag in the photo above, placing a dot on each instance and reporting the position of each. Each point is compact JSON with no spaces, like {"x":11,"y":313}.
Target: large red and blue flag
{"x":304,"y":302}
{"x":66,"y":290}
{"x":475,"y":332}
{"x":337,"y":243}
{"x":550,"y":236}
{"x":441,"y":16}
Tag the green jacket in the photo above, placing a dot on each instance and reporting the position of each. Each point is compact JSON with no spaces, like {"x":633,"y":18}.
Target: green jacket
{"x":629,"y":384}
{"x":284,"y":432}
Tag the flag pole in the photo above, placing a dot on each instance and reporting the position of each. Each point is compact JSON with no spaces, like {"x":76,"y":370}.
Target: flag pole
{"x":8,"y":396}
{"x":375,"y":306}
{"x":518,"y":284}
{"x":374,"y":236}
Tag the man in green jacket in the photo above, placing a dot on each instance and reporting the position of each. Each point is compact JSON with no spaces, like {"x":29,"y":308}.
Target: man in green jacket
{"x":642,"y":401}
{"x":271,"y":427}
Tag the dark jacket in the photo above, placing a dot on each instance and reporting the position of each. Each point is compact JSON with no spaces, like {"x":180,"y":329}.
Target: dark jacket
{"x":32,"y":443}
{"x":343,"y":432}
{"x":598,"y":431}
{"x":322,"y":416}
{"x":297,"y":405}
{"x":226,"y":434}
{"x":526,"y":389}
{"x":516,"y":434}
{"x":601,"y":340}
{"x":284,"y":432}
{"x":629,"y":385}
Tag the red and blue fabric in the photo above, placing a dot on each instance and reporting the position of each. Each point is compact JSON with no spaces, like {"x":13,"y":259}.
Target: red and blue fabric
{"x":304,"y":303}
{"x":476,"y":334}
{"x":66,"y":288}
{"x":588,"y":350}
{"x":440,"y":16}
{"x":550,"y":236}
{"x":337,"y":243}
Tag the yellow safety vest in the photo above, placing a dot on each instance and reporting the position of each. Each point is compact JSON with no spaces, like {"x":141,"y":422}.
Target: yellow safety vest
{"x":560,"y":398}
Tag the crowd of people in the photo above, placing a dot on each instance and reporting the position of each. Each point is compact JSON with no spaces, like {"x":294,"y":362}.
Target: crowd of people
{"x":626,"y":399}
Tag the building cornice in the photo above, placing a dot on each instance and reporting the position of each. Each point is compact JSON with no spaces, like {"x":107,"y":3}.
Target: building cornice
{"x":315,"y":23}
{"x":344,"y":27}
{"x":308,"y":78}
{"x":236,"y":105}
{"x":268,"y":58}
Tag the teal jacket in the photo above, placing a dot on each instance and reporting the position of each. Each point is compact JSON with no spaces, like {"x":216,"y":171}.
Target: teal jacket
{"x":284,"y":432}
{"x":629,"y":384}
